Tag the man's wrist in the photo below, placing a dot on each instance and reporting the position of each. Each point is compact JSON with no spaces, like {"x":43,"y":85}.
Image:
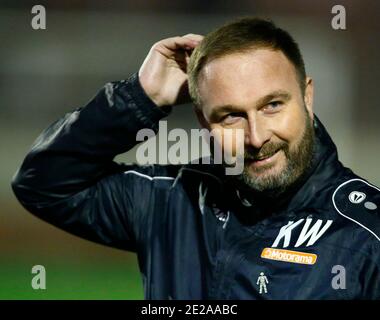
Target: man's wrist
{"x":146,"y":109}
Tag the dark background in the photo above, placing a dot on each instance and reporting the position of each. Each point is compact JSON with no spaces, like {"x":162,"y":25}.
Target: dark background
{"x":46,"y":73}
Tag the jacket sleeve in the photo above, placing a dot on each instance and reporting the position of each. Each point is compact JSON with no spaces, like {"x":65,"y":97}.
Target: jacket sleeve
{"x":69,"y":178}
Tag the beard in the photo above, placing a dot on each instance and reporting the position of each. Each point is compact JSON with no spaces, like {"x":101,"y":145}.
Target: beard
{"x":298,"y":161}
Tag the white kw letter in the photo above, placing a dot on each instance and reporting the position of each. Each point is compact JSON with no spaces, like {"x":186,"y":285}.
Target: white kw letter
{"x":286,"y":233}
{"x":314,"y":234}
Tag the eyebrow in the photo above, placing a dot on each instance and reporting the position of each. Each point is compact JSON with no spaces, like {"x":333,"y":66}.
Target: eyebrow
{"x":278,"y":94}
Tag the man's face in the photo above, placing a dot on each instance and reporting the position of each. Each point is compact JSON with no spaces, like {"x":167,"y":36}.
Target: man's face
{"x":258,"y":91}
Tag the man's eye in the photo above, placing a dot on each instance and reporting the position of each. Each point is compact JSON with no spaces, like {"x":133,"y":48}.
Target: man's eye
{"x":232,"y":117}
{"x":273,"y":106}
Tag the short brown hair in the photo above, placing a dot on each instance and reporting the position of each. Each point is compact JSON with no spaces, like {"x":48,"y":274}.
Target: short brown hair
{"x":239,"y":36}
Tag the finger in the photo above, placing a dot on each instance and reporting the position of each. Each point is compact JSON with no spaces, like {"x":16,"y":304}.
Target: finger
{"x":171,"y":47}
{"x":196,"y":37}
{"x":177,"y":43}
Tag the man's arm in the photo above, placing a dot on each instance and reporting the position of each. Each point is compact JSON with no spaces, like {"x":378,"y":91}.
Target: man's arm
{"x":69,"y":178}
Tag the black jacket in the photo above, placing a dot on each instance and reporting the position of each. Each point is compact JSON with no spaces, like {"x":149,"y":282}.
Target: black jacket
{"x":196,"y":235}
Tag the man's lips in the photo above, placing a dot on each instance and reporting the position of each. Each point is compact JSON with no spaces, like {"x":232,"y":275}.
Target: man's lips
{"x":264,"y":160}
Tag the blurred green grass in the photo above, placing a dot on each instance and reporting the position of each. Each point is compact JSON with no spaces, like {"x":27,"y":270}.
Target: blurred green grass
{"x":76,"y":269}
{"x":71,"y":280}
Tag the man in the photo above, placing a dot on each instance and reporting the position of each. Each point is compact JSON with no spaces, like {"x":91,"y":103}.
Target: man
{"x":295,"y":215}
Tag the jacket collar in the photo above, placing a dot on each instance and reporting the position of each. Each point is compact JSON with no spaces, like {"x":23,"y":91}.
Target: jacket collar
{"x":325,"y":168}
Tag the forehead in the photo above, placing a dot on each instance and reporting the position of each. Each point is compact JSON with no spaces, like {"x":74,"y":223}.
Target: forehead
{"x":240,"y":78}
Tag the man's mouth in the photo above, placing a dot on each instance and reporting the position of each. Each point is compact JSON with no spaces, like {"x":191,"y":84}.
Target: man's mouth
{"x":262,"y":160}
{"x":264,"y":157}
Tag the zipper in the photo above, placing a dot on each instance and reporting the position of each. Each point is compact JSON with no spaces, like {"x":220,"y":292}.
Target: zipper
{"x":225,"y":260}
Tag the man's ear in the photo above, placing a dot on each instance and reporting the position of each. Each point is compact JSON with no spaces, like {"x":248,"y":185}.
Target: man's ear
{"x":201,"y":118}
{"x":309,"y":96}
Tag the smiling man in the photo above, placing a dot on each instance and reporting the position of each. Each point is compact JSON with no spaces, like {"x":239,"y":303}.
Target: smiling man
{"x":259,"y":91}
{"x":296,"y":224}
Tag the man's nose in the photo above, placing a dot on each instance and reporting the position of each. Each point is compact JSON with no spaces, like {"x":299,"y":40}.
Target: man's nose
{"x":257,"y":133}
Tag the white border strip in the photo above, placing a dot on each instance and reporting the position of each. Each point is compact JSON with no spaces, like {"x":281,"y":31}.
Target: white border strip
{"x":333,"y":200}
{"x":148,"y":177}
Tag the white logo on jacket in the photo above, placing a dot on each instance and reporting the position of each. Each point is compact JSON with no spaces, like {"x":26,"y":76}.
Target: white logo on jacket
{"x":356,"y":197}
{"x":310,"y":233}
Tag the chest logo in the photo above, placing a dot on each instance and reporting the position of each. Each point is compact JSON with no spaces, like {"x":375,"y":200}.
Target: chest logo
{"x":262,"y":282}
{"x":356,"y":197}
{"x":310,"y":233}
{"x":289,"y":256}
